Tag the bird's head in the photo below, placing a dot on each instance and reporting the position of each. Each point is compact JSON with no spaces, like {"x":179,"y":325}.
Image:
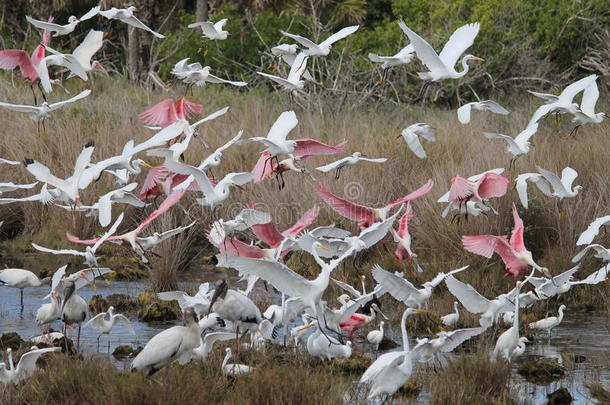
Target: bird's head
{"x":375,"y":307}
{"x":72,"y":19}
{"x":96,"y":64}
{"x":472,"y":57}
{"x":110,"y":309}
{"x":357,"y":154}
{"x":411,"y":311}
{"x":132,"y":8}
{"x":562,"y":307}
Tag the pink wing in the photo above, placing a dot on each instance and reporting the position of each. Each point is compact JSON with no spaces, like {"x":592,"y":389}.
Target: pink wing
{"x":268,"y":233}
{"x":190,"y":109}
{"x":350,"y":210}
{"x":234,"y":247}
{"x":74,"y":239}
{"x":309,"y":146}
{"x":169,"y":202}
{"x":306,"y":220}
{"x":263,"y":169}
{"x":11,"y":58}
{"x":420,"y":192}
{"x":486,"y":245}
{"x":153,"y":177}
{"x":492,"y":185}
{"x":162,"y":114}
{"x":461,"y":189}
{"x":516,"y":238}
{"x":403,"y":224}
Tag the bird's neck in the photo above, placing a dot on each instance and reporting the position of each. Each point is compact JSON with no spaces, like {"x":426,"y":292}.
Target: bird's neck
{"x":403,"y":328}
{"x":465,"y":68}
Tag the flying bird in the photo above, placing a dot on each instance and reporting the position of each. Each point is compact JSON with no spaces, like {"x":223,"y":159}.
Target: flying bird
{"x":126,"y":15}
{"x":212,"y":30}
{"x":59,"y":30}
{"x":411,"y":136}
{"x":324,"y":47}
{"x":464,"y":111}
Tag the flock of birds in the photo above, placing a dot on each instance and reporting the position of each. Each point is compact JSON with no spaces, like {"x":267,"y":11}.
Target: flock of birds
{"x":222,"y":313}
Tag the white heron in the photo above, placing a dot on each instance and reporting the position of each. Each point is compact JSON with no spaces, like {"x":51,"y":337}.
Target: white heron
{"x":195,"y":74}
{"x":9,"y":374}
{"x":212,"y":30}
{"x":8,"y":187}
{"x":411,"y":136}
{"x":104,"y":322}
{"x":402,"y":57}
{"x":402,"y":290}
{"x":464,"y":111}
{"x":293,"y":81}
{"x":517,"y":146}
{"x":445,"y":342}
{"x":356,"y":157}
{"x":126,"y":15}
{"x":59,"y":30}
{"x":169,"y":345}
{"x":592,"y":230}
{"x":375,"y":337}
{"x":324,"y":47}
{"x":391,"y":370}
{"x":442,"y":66}
{"x":326,"y":347}
{"x":587,"y":114}
{"x":509,"y":339}
{"x":20,"y":278}
{"x":200,"y":302}
{"x":452,"y":318}
{"x":233,"y":369}
{"x":547,"y":324}
{"x":207,"y":343}
{"x":520,"y":349}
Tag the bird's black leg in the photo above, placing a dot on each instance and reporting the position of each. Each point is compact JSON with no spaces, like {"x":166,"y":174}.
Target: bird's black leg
{"x":78,"y":338}
{"x":44,"y":96}
{"x":34,"y":94}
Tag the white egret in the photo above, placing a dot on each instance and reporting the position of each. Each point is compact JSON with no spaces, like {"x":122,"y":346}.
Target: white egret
{"x":212,"y":30}
{"x":452,"y":318}
{"x":520,"y":349}
{"x":375,"y":337}
{"x":200,"y":302}
{"x":517,"y":146}
{"x":464,"y":111}
{"x":411,"y":136}
{"x":445,"y":342}
{"x":562,"y":283}
{"x":326,"y":347}
{"x":207,"y":343}
{"x":232,"y":369}
{"x":79,"y":61}
{"x":104,"y":323}
{"x":246,"y":218}
{"x":592,"y":230}
{"x":126,"y":15}
{"x":9,"y":374}
{"x":195,"y":74}
{"x":293,"y":81}
{"x":600,"y":253}
{"x":8,"y":187}
{"x":324,"y":47}
{"x":587,"y":114}
{"x":402,"y":57}
{"x":509,"y":339}
{"x":547,"y":324}
{"x":356,"y":157}
{"x":59,"y":30}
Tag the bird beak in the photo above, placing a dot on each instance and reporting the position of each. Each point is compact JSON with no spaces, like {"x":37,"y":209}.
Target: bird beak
{"x":420,"y":310}
{"x":382,"y":314}
{"x":147,"y":165}
{"x":307,"y":327}
{"x":324,"y":248}
{"x":479,"y":59}
{"x":395,"y":137}
{"x":105,"y":34}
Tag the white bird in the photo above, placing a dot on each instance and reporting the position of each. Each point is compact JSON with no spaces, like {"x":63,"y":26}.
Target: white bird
{"x":231,"y":305}
{"x":122,"y":195}
{"x":74,"y":308}
{"x":348,"y":161}
{"x":549,"y":183}
{"x":246,"y":218}
{"x":586,"y":114}
{"x":49,"y":312}
{"x":285,"y":49}
{"x":411,"y":136}
{"x":464,"y":111}
{"x":452,"y":318}
{"x":232,"y":369}
{"x":402,"y":290}
{"x":148,"y":243}
{"x":509,"y":339}
{"x":592,"y":230}
{"x":324,"y":47}
{"x":442,"y":66}
{"x":212,"y":30}
{"x":391,"y":370}
{"x":547,"y":324}
{"x":326,"y":347}
{"x":207,"y":343}
{"x":375,"y":337}
{"x":66,"y":29}
{"x":445,"y":342}
{"x":104,"y":323}
{"x":175,"y":343}
{"x":520,"y":349}
{"x":600,"y":253}
{"x":19,"y":278}
{"x":293,"y":81}
{"x":402,"y":57}
{"x":538,"y":179}
{"x":126,"y":15}
{"x":200,"y":302}
{"x":90,"y":251}
{"x":215,"y":157}
{"x":545,"y":288}
{"x":298,"y":332}
{"x":471,"y":208}
{"x":564,"y":102}
{"x":9,"y":162}
{"x":8,"y":187}
{"x":41,"y":113}
{"x":195,"y":74}
{"x":79,"y":61}
{"x":517,"y":146}
{"x":9,"y":374}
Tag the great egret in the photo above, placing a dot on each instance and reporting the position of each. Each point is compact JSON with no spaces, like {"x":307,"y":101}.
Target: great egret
{"x":517,"y":146}
{"x":562,"y":283}
{"x":293,"y":81}
{"x":326,"y":347}
{"x":231,"y":369}
{"x":592,"y":230}
{"x":391,"y":370}
{"x":200,"y":302}
{"x":210,"y":30}
{"x":452,"y":318}
{"x":547,"y":324}
{"x":520,"y":349}
{"x":600,"y":253}
{"x":59,"y":30}
{"x":403,"y":239}
{"x":356,"y":157}
{"x":411,"y":136}
{"x":445,"y":342}
{"x":464,"y":111}
{"x":442,"y":66}
{"x":298,"y":332}
{"x":195,"y":74}
{"x":126,"y":15}
{"x":104,"y":323}
{"x":366,"y":216}
{"x":513,"y":252}
{"x":169,"y":345}
{"x":375,"y":337}
{"x":324,"y":47}
{"x":9,"y":374}
{"x":402,"y":290}
{"x":19,"y":278}
{"x":509,"y":339}
{"x":402,"y":57}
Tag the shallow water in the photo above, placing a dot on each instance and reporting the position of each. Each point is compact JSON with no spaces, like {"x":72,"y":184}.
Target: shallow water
{"x":581,"y":333}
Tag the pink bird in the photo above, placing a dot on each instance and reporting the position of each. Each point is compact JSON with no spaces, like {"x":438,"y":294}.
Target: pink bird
{"x":269,"y":234}
{"x":11,"y":58}
{"x":130,"y":239}
{"x":159,"y":182}
{"x":234,"y":247}
{"x":263,"y":171}
{"x":513,"y":252}
{"x":403,"y":239}
{"x":487,"y":186}
{"x":165,"y":113}
{"x":366,"y":216}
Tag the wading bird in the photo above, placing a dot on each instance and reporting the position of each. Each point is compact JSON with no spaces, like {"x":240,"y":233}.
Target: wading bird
{"x":324,"y":47}
{"x":59,"y":30}
{"x":464,"y":111}
{"x":356,"y":157}
{"x":547,"y":324}
{"x":126,"y":15}
{"x":402,"y":237}
{"x":517,"y":146}
{"x":104,"y":323}
{"x":210,"y":30}
{"x":19,"y":278}
{"x":508,"y":341}
{"x":195,"y":74}
{"x":9,"y":374}
{"x":74,"y":308}
{"x":402,"y":57}
{"x":292,"y":82}
{"x":592,"y":230}
{"x":231,"y":369}
{"x":411,"y":136}
{"x":452,"y":318}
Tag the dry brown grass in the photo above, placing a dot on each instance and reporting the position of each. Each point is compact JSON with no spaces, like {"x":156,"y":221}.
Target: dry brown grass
{"x":109,"y":117}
